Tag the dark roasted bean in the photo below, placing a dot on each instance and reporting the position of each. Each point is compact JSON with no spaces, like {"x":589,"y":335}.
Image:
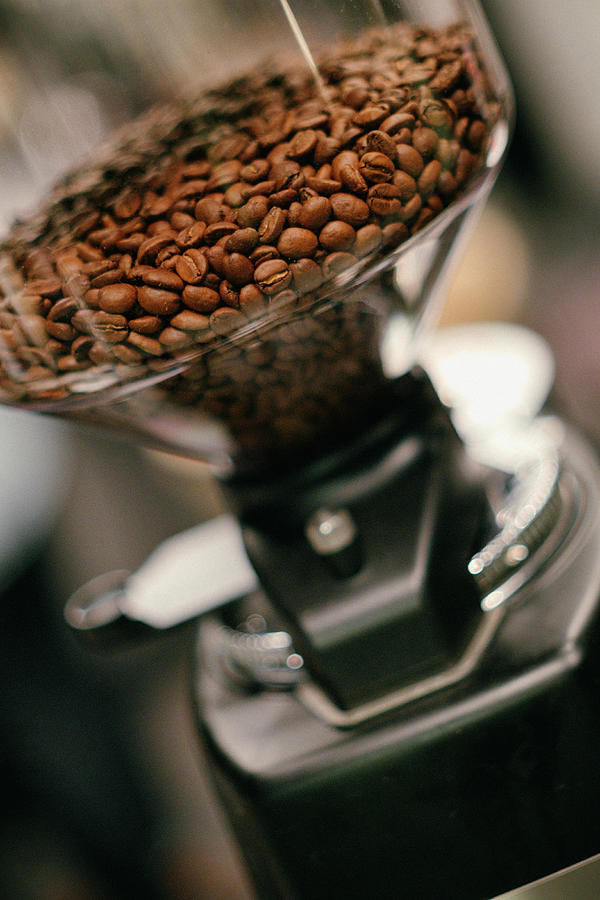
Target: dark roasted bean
{"x":191,"y":235}
{"x":63,"y":310}
{"x":337,"y":235}
{"x":409,"y":159}
{"x":425,"y":141}
{"x":428,"y":178}
{"x":272,"y":276}
{"x":158,"y":302}
{"x":295,"y":243}
{"x":272,"y":225}
{"x":384,"y":200}
{"x":145,"y":324}
{"x":306,"y":274}
{"x":352,"y":179}
{"x":252,"y":301}
{"x":255,"y":171}
{"x":238,"y":269}
{"x":315,"y":212}
{"x":405,"y":183}
{"x":380,"y":142}
{"x":376,"y":167}
{"x":367,"y":240}
{"x":336,"y":263}
{"x":225,"y":320}
{"x":253,"y":212}
{"x":200,"y":299}
{"x":326,"y":186}
{"x":117,"y":298}
{"x":188,"y":320}
{"x":192,"y":266}
{"x":244,"y":240}
{"x":349,"y":209}
{"x":149,"y":346}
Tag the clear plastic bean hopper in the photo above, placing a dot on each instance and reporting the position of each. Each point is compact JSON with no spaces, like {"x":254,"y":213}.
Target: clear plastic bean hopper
{"x":249,"y":276}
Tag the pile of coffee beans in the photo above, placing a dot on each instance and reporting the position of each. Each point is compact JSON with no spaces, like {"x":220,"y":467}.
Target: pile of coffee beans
{"x":216,"y":232}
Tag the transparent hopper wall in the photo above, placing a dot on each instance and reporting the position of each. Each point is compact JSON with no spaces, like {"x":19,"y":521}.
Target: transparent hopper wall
{"x":222,"y":278}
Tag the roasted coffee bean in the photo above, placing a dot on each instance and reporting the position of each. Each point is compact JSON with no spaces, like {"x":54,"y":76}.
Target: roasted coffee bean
{"x":188,"y":320}
{"x":447,"y":77}
{"x":438,"y":115}
{"x":283,"y":199}
{"x":306,"y":275}
{"x":80,"y":348}
{"x":126,"y":354}
{"x":411,"y":208}
{"x":380,"y":142}
{"x":302,"y":144}
{"x":294,"y":243}
{"x":396,"y":122}
{"x":409,"y":160}
{"x":367,"y":240}
{"x":109,"y":327}
{"x":272,"y":276}
{"x":200,"y":299}
{"x":238,"y":269}
{"x":405,"y":184}
{"x":149,"y":248}
{"x":159,"y":278}
{"x":180,"y":221}
{"x":352,"y":179}
{"x":336,"y":263}
{"x":111,"y":276}
{"x":117,"y":298}
{"x":263,"y":253}
{"x":293,"y":214}
{"x":428,"y":178}
{"x":252,"y":301}
{"x":395,"y":233}
{"x":447,"y":184}
{"x":376,"y":167}
{"x":192,"y":266}
{"x":157,"y":301}
{"x":476,"y":135}
{"x":345,"y":158}
{"x":244,"y":240}
{"x":127,"y":205}
{"x":149,"y":346}
{"x":145,"y":324}
{"x":228,"y":294}
{"x":325,"y":186}
{"x":315,"y":212}
{"x":425,"y":141}
{"x":216,"y":260}
{"x":371,"y":116}
{"x":384,"y":200}
{"x":63,"y":310}
{"x":255,"y":171}
{"x":272,"y":225}
{"x":224,"y":320}
{"x":251,"y":214}
{"x":173,"y":338}
{"x":349,"y":208}
{"x":191,"y":235}
{"x":218,"y":230}
{"x":210,"y":211}
{"x":337,"y":235}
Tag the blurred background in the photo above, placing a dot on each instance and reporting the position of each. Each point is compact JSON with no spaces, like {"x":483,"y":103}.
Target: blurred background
{"x":106,"y":793}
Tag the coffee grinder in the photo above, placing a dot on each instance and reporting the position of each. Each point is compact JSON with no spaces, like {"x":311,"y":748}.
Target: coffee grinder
{"x":396,"y":620}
